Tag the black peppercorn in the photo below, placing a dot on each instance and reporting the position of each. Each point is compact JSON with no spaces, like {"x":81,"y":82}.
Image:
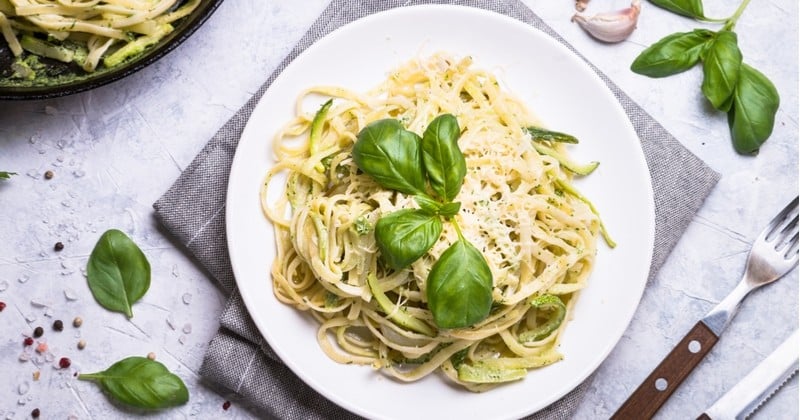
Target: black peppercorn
{"x":35,"y":413}
{"x":48,"y":175}
{"x":38,"y":331}
{"x":58,"y":246}
{"x":58,"y":325}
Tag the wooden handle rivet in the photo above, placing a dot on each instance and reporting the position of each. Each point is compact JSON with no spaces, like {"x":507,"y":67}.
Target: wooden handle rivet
{"x":695,"y":346}
{"x":661,"y":384}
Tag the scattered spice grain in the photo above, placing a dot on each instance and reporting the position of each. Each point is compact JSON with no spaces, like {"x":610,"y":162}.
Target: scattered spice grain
{"x":151,"y":356}
{"x":77,"y":322}
{"x":81,"y":344}
{"x":58,"y":246}
{"x":226,"y":405}
{"x":48,"y":175}
{"x":35,"y":413}
{"x":64,"y":362}
{"x":58,"y":325}
{"x":2,"y":306}
{"x":37,"y":332}
{"x":28,"y":341}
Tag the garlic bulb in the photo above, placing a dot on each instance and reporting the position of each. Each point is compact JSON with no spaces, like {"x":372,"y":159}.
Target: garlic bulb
{"x":610,"y":27}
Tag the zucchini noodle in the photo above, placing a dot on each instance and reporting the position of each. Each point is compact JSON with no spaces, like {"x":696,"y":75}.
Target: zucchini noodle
{"x":518,"y":207}
{"x":84,"y":32}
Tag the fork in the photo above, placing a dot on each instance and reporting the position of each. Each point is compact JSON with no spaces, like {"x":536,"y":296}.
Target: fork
{"x":773,"y":254}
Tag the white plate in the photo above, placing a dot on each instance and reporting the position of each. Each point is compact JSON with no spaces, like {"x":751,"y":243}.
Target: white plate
{"x":560,"y":89}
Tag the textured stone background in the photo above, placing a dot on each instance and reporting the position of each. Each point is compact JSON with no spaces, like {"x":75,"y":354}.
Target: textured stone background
{"x":114,"y":150}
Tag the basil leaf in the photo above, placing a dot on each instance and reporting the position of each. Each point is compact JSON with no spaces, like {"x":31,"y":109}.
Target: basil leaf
{"x":450,"y":209}
{"x":405,"y":235}
{"x":538,"y":133}
{"x":118,"y":272}
{"x":142,"y":383}
{"x":688,"y":8}
{"x":6,"y":175}
{"x":427,"y":204}
{"x":752,"y":117}
{"x":672,"y":54}
{"x":391,"y":155}
{"x":459,"y":287}
{"x":443,"y":160}
{"x":721,"y":69}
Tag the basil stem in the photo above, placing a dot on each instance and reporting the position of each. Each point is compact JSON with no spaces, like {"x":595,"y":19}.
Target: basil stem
{"x":118,"y":272}
{"x":459,"y":286}
{"x":543,"y":134}
{"x":443,"y":160}
{"x":391,"y":155}
{"x":406,"y":235}
{"x":6,"y":175}
{"x":580,"y":169}
{"x":673,"y":54}
{"x":142,"y":383}
{"x":752,"y":116}
{"x":721,"y":70}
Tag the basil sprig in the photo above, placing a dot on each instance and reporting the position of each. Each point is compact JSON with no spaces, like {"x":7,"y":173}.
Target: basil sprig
{"x":118,"y":272}
{"x":142,"y":383}
{"x":749,"y":97}
{"x":432,"y":169}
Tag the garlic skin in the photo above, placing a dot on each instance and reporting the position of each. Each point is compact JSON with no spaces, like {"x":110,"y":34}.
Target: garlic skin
{"x":611,"y":27}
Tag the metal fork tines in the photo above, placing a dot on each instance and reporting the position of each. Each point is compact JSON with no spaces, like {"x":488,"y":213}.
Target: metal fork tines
{"x":774,"y":253}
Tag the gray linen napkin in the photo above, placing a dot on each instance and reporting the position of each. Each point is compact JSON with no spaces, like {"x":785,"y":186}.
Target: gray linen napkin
{"x":193,"y":210}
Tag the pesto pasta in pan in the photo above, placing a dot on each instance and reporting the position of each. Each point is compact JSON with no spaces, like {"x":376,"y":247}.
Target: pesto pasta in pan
{"x":88,"y":33}
{"x":431,"y":225}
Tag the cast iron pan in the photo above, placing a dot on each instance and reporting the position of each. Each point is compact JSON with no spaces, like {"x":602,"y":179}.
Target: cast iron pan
{"x":49,"y":84}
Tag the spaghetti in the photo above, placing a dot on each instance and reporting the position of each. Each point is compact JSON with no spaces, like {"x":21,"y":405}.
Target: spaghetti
{"x":518,"y":207}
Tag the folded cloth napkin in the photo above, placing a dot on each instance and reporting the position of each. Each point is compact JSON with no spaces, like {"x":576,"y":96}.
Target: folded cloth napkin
{"x":193,"y":210}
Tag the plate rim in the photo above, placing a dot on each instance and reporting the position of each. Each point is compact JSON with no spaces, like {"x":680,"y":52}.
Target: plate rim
{"x":648,"y":200}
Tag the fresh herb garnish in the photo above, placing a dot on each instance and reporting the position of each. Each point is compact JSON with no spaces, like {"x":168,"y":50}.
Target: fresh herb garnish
{"x":142,"y":383}
{"x":118,"y":272}
{"x":401,"y":160}
{"x":749,"y":97}
{"x":6,"y":175}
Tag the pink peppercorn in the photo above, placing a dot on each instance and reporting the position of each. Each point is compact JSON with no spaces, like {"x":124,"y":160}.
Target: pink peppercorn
{"x":28,"y":341}
{"x":2,"y":306}
{"x":64,"y":362}
{"x":226,"y":405}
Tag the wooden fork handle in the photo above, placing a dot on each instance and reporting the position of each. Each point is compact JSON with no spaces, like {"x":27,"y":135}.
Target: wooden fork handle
{"x":668,"y":375}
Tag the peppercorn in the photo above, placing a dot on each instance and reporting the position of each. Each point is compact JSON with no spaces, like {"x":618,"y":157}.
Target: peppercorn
{"x":77,"y":322}
{"x":37,"y":332}
{"x":48,"y":175}
{"x":226,"y":405}
{"x":2,"y":306}
{"x":58,"y":325}
{"x":58,"y":246}
{"x":28,"y":341}
{"x":81,"y":344}
{"x":35,"y":413}
{"x":151,"y":356}
{"x":64,"y":362}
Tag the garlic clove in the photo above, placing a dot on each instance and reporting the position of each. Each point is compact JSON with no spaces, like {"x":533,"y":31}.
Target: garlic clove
{"x":611,"y":27}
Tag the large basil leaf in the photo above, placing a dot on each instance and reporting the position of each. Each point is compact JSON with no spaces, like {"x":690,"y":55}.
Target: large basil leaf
{"x":443,"y":160}
{"x":391,"y":155}
{"x":689,"y":8}
{"x":459,"y":287}
{"x":721,"y":70}
{"x":141,"y":383}
{"x":672,"y":54}
{"x":405,"y":235}
{"x":118,"y":272}
{"x":752,"y":116}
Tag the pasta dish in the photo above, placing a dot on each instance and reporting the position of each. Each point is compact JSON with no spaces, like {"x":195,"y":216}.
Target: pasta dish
{"x":86,"y":32}
{"x":513,"y":240}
